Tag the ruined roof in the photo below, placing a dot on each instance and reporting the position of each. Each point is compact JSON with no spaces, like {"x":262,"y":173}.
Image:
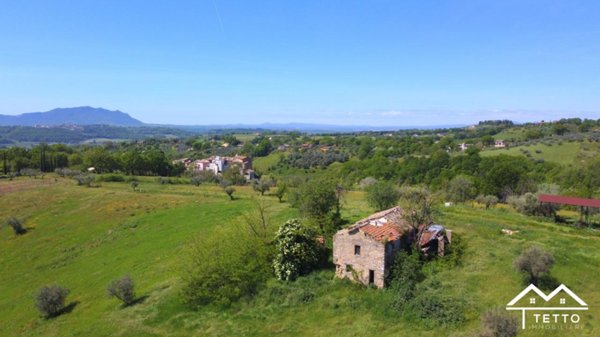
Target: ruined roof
{"x":393,"y":214}
{"x":387,"y":225}
{"x":386,"y":232}
{"x":429,"y":233}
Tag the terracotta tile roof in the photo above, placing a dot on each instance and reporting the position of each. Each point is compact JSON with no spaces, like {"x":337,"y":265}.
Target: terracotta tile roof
{"x":385,"y":225}
{"x":391,"y":215}
{"x":386,"y":232}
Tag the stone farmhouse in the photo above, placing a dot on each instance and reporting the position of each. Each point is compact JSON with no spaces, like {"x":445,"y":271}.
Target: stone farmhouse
{"x":364,"y":251}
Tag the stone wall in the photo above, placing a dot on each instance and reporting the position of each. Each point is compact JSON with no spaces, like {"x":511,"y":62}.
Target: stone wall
{"x":356,"y":267}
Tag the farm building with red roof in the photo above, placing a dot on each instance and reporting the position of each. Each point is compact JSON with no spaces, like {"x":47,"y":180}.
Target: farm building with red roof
{"x":364,"y":251}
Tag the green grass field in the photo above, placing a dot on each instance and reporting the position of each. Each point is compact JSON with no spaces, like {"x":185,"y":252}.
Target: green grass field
{"x":514,"y":133}
{"x":262,"y":164}
{"x":245,"y":137}
{"x":565,"y":153}
{"x":82,"y":238}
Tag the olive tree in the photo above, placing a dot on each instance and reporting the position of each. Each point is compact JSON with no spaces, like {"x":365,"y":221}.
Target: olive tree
{"x":262,"y":185}
{"x":281,"y":191}
{"x":123,"y":289}
{"x":533,"y":262}
{"x":417,"y":204}
{"x":487,"y":200}
{"x":229,"y":190}
{"x":461,"y":189}
{"x":50,"y":300}
{"x":16,"y":225}
{"x":317,"y":200}
{"x":382,"y":195}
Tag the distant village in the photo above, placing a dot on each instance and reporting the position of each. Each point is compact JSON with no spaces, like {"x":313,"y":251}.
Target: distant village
{"x":219,"y":164}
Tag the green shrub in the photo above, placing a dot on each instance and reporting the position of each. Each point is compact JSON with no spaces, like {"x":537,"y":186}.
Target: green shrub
{"x":201,"y":177}
{"x":84,"y":179}
{"x":435,"y":308}
{"x":487,"y":200}
{"x":224,"y":267}
{"x":296,"y":251}
{"x":65,"y":172}
{"x":32,"y":173}
{"x":164,"y":180}
{"x":454,"y":252}
{"x":497,"y":323}
{"x":528,"y":204}
{"x":196,"y":181}
{"x":405,"y":274}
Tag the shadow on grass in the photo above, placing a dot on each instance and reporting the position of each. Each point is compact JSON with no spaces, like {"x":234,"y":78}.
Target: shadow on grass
{"x":26,"y":230}
{"x":66,"y":310}
{"x":548,"y":282}
{"x":545,"y":282}
{"x":137,"y":301}
{"x":69,"y":308}
{"x":22,"y":231}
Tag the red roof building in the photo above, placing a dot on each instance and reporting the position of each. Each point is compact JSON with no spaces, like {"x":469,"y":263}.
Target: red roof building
{"x":566,"y":200}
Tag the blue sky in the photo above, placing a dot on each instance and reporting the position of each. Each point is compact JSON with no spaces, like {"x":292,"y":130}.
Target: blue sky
{"x":338,"y":62}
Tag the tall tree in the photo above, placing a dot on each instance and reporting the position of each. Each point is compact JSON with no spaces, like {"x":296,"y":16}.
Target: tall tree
{"x":317,"y":200}
{"x":5,"y":162}
{"x":461,"y":189}
{"x":533,"y":262}
{"x":417,"y":205}
{"x":382,"y":195}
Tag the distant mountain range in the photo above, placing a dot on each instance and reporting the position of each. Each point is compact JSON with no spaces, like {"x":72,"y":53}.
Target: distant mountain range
{"x":87,"y":124}
{"x":308,"y":127}
{"x":84,"y":115}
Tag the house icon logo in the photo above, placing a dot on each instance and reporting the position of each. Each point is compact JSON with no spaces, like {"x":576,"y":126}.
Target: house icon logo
{"x":560,"y":308}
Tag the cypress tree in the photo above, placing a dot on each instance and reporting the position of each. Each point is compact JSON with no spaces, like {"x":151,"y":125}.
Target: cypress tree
{"x":5,"y":162}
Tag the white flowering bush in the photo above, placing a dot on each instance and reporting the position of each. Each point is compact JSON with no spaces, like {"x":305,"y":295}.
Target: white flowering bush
{"x":296,"y":251}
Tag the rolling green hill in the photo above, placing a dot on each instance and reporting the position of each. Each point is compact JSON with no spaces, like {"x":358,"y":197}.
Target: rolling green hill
{"x":262,"y":164}
{"x":82,"y":238}
{"x":560,"y":152}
